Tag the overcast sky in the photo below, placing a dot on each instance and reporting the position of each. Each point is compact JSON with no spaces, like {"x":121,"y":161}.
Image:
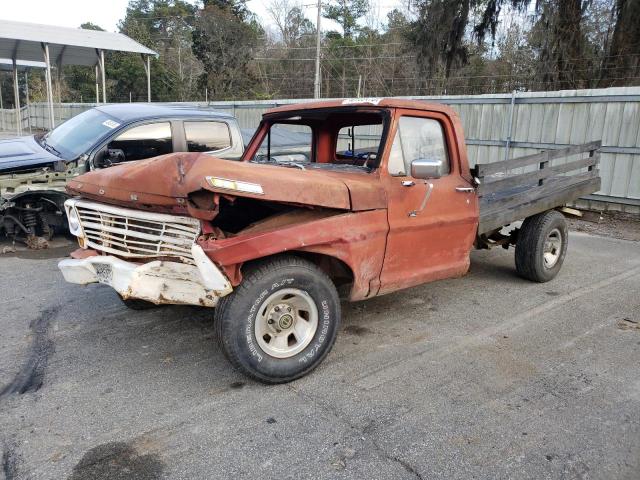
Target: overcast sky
{"x":106,"y":13}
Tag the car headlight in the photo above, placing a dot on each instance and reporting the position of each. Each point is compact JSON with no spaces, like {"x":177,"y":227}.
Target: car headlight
{"x":74,"y":222}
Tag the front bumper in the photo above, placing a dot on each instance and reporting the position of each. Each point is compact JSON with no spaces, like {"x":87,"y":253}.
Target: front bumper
{"x":159,"y":282}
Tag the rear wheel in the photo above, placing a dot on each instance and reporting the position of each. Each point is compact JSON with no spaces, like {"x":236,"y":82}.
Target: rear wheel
{"x":281,"y":321}
{"x":541,"y":246}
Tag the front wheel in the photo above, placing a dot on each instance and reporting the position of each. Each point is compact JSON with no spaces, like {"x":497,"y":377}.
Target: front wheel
{"x":281,"y":321}
{"x":541,"y":246}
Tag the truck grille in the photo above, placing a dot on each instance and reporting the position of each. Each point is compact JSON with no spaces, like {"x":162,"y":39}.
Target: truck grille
{"x":136,"y":234}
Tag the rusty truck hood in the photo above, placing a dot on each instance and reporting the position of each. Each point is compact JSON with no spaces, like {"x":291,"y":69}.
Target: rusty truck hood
{"x":166,"y":182}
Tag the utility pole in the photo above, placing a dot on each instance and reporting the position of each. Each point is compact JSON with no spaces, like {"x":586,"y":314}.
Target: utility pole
{"x":316,"y":83}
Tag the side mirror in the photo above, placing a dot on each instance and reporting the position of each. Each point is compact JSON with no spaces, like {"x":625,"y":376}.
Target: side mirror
{"x":115,"y":155}
{"x":108,"y":157}
{"x":427,"y":168}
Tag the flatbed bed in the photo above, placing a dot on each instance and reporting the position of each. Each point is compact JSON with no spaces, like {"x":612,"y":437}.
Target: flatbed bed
{"x":506,"y":197}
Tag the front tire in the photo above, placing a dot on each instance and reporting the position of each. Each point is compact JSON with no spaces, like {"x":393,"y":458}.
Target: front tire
{"x":542,"y":246}
{"x":281,"y":321}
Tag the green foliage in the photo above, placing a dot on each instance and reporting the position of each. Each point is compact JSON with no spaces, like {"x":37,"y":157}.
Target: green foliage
{"x":347,"y":14}
{"x":429,"y":47}
{"x":224,"y":44}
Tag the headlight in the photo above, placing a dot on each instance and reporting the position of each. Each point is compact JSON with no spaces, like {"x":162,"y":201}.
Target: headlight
{"x":74,"y":222}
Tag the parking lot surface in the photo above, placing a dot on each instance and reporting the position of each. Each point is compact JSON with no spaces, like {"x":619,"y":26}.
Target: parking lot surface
{"x":484,"y":377}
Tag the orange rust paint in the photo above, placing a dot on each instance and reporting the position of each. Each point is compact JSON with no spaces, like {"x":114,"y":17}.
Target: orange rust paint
{"x":435,"y":243}
{"x":357,"y":239}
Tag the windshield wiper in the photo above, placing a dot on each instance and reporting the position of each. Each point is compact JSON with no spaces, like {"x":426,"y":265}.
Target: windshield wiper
{"x":289,"y":164}
{"x":50,"y":149}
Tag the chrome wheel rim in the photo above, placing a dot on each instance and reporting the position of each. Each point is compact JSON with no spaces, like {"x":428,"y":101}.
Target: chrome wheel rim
{"x":286,"y":322}
{"x":552,"y":248}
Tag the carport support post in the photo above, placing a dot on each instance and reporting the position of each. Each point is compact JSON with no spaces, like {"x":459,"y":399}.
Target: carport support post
{"x":146,"y":59}
{"x":16,"y":96}
{"x":26,"y":94}
{"x":97,"y":86}
{"x":45,"y":49}
{"x":104,"y":85}
{"x":148,"y":79}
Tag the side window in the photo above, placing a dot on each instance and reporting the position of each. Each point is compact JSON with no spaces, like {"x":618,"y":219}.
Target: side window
{"x":417,"y":138}
{"x":359,"y":143}
{"x":144,"y":141}
{"x":207,"y":136}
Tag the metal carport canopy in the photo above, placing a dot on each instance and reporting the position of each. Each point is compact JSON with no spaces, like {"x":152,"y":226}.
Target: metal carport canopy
{"x":65,"y":46}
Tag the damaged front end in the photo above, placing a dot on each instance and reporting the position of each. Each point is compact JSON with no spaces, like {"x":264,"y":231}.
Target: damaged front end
{"x":142,"y":255}
{"x":31,"y":203}
{"x":179,"y":228}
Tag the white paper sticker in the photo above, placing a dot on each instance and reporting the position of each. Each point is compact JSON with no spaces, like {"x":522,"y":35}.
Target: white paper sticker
{"x":110,"y":124}
{"x":352,"y":101}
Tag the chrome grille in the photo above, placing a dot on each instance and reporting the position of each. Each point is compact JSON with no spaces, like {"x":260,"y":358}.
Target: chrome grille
{"x":136,"y":234}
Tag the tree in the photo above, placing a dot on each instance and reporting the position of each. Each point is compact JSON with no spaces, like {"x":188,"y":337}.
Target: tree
{"x":290,"y":20}
{"x":286,"y":53}
{"x":346,"y":13}
{"x":224,"y":43}
{"x":165,"y":26}
{"x":438,"y":35}
{"x":237,"y":7}
{"x":79,"y":81}
{"x":622,"y":61}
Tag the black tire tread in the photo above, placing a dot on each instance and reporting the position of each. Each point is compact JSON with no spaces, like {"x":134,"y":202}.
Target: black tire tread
{"x":252,"y":275}
{"x":527,"y":245}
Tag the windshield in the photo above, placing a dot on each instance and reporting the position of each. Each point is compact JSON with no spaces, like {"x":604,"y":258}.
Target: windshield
{"x":336,"y":139}
{"x":78,"y":134}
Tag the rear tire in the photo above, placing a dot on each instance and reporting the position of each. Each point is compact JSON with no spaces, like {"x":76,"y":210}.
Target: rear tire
{"x":541,"y":246}
{"x":281,"y":321}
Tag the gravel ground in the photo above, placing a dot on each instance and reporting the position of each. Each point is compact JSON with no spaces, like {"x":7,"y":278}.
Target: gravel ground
{"x":607,"y":224}
{"x":483,"y":377}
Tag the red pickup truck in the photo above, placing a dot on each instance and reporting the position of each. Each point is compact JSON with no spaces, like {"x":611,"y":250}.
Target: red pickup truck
{"x":379,"y":197}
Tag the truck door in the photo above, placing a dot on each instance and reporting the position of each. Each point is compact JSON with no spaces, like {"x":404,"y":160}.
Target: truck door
{"x":433,"y":221}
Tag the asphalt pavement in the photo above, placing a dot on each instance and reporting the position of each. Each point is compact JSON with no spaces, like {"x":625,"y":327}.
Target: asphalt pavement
{"x":484,"y":377}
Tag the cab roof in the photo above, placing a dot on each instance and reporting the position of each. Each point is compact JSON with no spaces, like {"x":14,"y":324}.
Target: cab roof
{"x":388,"y":102}
{"x":142,"y":111}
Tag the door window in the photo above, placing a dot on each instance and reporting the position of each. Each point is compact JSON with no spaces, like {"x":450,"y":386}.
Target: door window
{"x":417,"y":138}
{"x":359,"y":143}
{"x":144,"y":141}
{"x":207,"y":136}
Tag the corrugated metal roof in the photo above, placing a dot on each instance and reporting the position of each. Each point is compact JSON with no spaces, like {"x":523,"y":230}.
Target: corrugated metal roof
{"x":69,"y":46}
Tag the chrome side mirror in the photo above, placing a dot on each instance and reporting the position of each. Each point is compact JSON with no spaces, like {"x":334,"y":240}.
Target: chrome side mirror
{"x":427,"y":168}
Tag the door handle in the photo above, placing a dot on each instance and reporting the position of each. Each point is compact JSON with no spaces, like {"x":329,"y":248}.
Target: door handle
{"x":427,"y":194}
{"x":408,"y":183}
{"x":465,"y":189}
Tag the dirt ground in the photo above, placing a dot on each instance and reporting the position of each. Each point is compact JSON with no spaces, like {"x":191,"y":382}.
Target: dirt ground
{"x":607,"y":224}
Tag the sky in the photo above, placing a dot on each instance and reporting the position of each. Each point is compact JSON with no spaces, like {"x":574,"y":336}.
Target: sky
{"x":107,"y":13}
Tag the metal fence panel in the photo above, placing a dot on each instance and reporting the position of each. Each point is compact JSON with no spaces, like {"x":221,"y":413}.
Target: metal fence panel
{"x":539,"y":120}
